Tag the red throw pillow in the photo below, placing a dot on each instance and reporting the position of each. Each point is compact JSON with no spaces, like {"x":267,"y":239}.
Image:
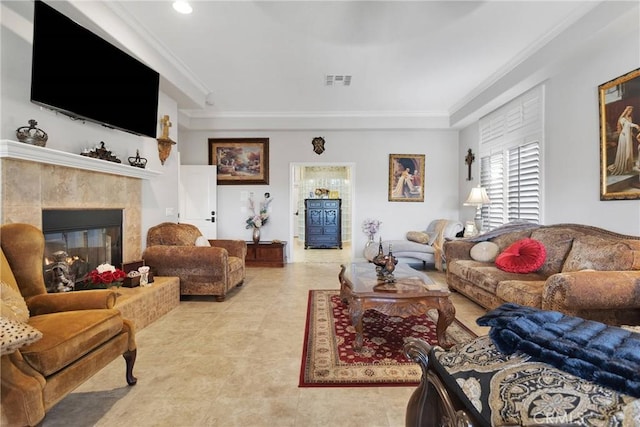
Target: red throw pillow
{"x":523,"y":256}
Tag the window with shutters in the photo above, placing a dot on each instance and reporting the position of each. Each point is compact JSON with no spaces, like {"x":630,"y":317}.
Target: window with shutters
{"x":511,"y":160}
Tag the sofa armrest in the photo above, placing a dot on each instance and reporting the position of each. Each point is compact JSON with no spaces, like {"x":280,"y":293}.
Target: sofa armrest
{"x":237,"y":248}
{"x":457,"y":249}
{"x":70,"y":301}
{"x":591,"y":290}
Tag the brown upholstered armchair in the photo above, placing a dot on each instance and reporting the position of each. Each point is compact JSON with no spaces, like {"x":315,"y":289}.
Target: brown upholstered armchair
{"x":81,"y":332}
{"x":205,"y":267}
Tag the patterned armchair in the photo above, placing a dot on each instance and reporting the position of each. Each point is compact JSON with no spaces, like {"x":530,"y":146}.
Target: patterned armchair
{"x":205,"y":267}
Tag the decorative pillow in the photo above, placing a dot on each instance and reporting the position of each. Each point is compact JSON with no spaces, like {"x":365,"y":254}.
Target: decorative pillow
{"x":15,"y":334}
{"x":557,"y":241}
{"x":418,"y":237}
{"x":594,"y":253}
{"x":12,"y":305}
{"x":524,"y":256}
{"x":484,"y":251}
{"x":202,"y":241}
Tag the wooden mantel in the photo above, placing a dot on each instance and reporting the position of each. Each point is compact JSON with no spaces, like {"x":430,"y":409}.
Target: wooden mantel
{"x":21,"y":151}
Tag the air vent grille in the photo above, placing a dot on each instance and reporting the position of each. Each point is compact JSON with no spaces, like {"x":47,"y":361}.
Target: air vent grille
{"x":337,"y":80}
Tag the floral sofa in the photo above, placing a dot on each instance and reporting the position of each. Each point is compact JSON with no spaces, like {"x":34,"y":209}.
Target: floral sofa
{"x":587,"y":272}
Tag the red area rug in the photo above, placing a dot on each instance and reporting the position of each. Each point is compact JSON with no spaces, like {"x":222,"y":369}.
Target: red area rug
{"x":328,"y":357}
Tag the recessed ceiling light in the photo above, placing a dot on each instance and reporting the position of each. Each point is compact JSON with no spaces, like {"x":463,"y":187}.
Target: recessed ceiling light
{"x":182,"y":7}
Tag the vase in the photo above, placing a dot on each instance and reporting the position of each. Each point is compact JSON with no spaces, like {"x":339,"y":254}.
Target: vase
{"x":256,"y":235}
{"x":370,"y":241}
{"x":366,"y":252}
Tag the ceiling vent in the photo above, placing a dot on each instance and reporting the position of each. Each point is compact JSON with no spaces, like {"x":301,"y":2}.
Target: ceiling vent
{"x":337,"y":80}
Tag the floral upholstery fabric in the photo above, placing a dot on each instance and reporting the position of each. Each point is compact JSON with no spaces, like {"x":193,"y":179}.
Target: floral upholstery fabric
{"x":12,"y":304}
{"x":557,"y":242}
{"x":172,"y":234}
{"x":594,"y":253}
{"x":514,"y":390}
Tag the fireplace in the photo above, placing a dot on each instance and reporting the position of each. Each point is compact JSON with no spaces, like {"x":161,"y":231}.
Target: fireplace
{"x":76,"y":242}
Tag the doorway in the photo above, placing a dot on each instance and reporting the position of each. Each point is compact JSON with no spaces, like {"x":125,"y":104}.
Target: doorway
{"x":338,"y":179}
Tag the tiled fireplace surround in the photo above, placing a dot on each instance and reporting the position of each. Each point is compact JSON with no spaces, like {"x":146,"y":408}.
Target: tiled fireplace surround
{"x":31,"y":183}
{"x":35,"y":178}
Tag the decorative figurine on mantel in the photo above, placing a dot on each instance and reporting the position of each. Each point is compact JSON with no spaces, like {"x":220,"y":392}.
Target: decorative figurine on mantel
{"x":137,"y":161}
{"x":100,"y":152}
{"x":164,"y":142}
{"x":32,"y":135}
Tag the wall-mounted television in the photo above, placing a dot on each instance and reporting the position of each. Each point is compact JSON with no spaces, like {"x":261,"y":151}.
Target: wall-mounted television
{"x":78,"y":73}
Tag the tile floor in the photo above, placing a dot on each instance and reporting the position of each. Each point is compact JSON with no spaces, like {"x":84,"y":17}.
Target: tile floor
{"x":237,"y":363}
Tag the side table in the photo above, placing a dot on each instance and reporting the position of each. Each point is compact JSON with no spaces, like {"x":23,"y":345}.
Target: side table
{"x":266,"y":254}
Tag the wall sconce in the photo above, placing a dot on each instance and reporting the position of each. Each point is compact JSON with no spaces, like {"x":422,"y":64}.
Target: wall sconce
{"x":477,"y":197}
{"x":164,"y":142}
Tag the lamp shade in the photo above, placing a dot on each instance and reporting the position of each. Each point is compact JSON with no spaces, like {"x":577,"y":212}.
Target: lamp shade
{"x":477,"y":197}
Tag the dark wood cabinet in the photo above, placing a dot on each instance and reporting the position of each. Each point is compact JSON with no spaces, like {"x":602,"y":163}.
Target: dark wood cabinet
{"x":323,"y":223}
{"x":266,"y":254}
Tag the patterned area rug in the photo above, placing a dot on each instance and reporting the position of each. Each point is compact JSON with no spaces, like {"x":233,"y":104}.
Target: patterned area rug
{"x":328,"y":357}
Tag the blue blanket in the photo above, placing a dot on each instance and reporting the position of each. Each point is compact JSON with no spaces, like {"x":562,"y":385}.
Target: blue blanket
{"x":606,"y":355}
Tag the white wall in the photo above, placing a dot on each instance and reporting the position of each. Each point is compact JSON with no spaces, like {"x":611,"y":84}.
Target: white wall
{"x":572,"y":150}
{"x":161,"y":192}
{"x":368,"y":151}
{"x":571,"y":164}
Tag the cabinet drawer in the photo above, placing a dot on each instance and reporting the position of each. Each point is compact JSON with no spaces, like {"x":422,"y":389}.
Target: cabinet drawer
{"x":312,"y":231}
{"x":323,"y":239}
{"x":266,"y":254}
{"x":315,"y":204}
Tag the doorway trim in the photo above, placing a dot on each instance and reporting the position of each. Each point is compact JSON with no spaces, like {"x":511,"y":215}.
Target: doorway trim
{"x":292,"y":206}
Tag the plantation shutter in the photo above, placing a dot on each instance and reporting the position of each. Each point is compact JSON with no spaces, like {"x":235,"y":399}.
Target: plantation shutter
{"x":492,"y":179}
{"x":511,"y":158}
{"x":524,"y":183}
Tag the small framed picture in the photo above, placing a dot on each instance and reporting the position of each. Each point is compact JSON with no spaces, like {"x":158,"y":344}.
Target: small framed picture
{"x":240,"y":160}
{"x":406,"y":177}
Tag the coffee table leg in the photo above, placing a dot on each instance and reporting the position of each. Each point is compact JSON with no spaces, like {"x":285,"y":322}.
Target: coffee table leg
{"x":356,"y":313}
{"x":446,"y":314}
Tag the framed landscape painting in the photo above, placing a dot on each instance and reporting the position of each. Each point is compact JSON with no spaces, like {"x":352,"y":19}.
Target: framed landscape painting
{"x":619,"y":101}
{"x":406,"y":177}
{"x":240,"y":160}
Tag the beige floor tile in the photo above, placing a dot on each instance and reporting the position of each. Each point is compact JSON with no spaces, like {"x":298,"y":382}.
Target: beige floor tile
{"x":237,"y":363}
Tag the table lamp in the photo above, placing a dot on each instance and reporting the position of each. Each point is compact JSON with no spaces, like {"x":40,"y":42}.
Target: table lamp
{"x":477,"y":198}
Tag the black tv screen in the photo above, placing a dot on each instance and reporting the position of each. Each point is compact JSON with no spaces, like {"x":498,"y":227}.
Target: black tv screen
{"x":78,"y":73}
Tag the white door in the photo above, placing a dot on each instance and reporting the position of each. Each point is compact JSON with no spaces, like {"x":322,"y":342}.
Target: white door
{"x":198,"y":198}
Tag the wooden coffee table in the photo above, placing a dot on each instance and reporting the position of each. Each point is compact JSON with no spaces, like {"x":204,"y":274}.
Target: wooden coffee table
{"x":413,"y":294}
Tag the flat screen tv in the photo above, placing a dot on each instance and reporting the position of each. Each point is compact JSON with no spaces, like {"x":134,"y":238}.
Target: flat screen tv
{"x":80,"y":74}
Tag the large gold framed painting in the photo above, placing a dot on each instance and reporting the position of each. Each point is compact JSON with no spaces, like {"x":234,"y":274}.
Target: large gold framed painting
{"x":240,"y":160}
{"x":620,"y":137}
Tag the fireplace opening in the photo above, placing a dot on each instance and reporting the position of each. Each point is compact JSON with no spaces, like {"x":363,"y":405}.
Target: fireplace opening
{"x":76,"y":242}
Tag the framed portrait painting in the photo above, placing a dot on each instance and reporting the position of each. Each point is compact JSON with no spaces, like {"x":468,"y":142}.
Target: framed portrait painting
{"x":406,"y":177}
{"x":240,"y":160}
{"x":619,"y":101}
